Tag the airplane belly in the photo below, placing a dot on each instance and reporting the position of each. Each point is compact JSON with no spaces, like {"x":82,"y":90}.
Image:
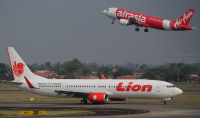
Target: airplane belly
{"x":49,"y":93}
{"x":131,"y":94}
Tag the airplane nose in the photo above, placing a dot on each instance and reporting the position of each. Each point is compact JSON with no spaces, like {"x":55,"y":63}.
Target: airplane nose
{"x":179,"y":91}
{"x":104,"y":12}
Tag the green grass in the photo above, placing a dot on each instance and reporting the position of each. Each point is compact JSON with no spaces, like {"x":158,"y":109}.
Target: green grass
{"x":186,"y":86}
{"x":7,"y":87}
{"x":16,"y":97}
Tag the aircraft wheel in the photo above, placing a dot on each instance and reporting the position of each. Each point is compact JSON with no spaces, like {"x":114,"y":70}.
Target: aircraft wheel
{"x":163,"y":102}
{"x":82,"y":101}
{"x":136,"y":29}
{"x":85,"y":101}
{"x":146,"y":30}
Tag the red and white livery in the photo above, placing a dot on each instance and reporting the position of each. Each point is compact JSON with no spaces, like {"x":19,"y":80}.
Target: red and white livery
{"x":94,"y":90}
{"x":140,"y":20}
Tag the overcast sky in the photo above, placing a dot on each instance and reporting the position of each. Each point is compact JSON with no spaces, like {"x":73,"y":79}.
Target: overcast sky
{"x":60,"y":30}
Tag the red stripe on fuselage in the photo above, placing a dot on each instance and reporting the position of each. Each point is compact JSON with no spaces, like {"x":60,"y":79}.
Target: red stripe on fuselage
{"x":29,"y":84}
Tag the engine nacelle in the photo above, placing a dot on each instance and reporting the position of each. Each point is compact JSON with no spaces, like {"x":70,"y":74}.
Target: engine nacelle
{"x":118,"y":99}
{"x":97,"y":97}
{"x":124,"y":22}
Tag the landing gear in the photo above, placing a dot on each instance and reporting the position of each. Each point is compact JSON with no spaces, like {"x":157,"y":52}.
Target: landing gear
{"x":146,"y":30}
{"x":163,"y":102}
{"x":137,"y":29}
{"x":113,"y":21}
{"x":84,"y":101}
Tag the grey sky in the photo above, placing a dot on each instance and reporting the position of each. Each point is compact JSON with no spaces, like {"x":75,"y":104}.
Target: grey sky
{"x":61,"y":30}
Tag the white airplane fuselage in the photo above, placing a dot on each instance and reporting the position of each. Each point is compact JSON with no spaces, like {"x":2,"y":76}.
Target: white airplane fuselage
{"x":47,"y":87}
{"x":94,"y":90}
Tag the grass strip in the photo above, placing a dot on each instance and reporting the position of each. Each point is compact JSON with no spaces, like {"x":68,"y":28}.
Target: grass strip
{"x":188,"y":87}
{"x":7,"y":87}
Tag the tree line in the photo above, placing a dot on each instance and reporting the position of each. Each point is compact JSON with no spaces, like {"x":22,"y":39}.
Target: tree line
{"x":168,"y":72}
{"x":174,"y":72}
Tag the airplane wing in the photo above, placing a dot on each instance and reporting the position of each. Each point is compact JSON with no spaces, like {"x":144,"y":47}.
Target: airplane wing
{"x":78,"y":94}
{"x":66,"y":92}
{"x":11,"y":82}
{"x":137,"y":23}
{"x":74,"y":93}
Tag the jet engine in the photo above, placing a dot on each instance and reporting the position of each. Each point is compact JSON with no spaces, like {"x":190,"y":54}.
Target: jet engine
{"x":118,"y":99}
{"x":97,"y":97}
{"x":124,"y":22}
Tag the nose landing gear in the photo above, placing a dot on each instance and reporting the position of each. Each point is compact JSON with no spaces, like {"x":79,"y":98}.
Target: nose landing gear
{"x":113,"y":21}
{"x":163,"y":102}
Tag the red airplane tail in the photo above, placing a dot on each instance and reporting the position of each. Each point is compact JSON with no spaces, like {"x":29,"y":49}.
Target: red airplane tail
{"x":185,"y":18}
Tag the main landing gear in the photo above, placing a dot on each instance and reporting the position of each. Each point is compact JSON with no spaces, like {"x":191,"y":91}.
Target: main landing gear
{"x":146,"y":30}
{"x":163,"y":102}
{"x":113,"y":21}
{"x":84,"y":101}
{"x":137,"y":29}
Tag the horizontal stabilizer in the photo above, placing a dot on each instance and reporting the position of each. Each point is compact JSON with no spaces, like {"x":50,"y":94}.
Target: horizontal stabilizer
{"x":11,"y":82}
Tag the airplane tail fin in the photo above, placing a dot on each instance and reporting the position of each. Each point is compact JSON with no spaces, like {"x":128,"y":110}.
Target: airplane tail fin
{"x":19,"y":68}
{"x":185,"y":18}
{"x":102,"y":76}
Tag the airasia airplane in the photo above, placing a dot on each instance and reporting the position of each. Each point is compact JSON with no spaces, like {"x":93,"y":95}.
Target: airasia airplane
{"x":141,"y":20}
{"x":94,"y":90}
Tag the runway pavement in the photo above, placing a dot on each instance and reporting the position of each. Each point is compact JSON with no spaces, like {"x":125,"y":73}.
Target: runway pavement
{"x":129,"y":110}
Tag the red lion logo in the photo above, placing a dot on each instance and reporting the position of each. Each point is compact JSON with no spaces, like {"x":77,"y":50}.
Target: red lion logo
{"x":18,"y":69}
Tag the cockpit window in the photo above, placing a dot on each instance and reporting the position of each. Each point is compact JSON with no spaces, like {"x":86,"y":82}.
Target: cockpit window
{"x":170,"y":86}
{"x":107,"y":9}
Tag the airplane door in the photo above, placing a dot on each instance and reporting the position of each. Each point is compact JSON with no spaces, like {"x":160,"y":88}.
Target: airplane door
{"x":158,"y":87}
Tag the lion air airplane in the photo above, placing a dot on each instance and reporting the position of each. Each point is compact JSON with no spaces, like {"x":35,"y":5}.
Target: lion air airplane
{"x":141,"y":20}
{"x":94,"y":90}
